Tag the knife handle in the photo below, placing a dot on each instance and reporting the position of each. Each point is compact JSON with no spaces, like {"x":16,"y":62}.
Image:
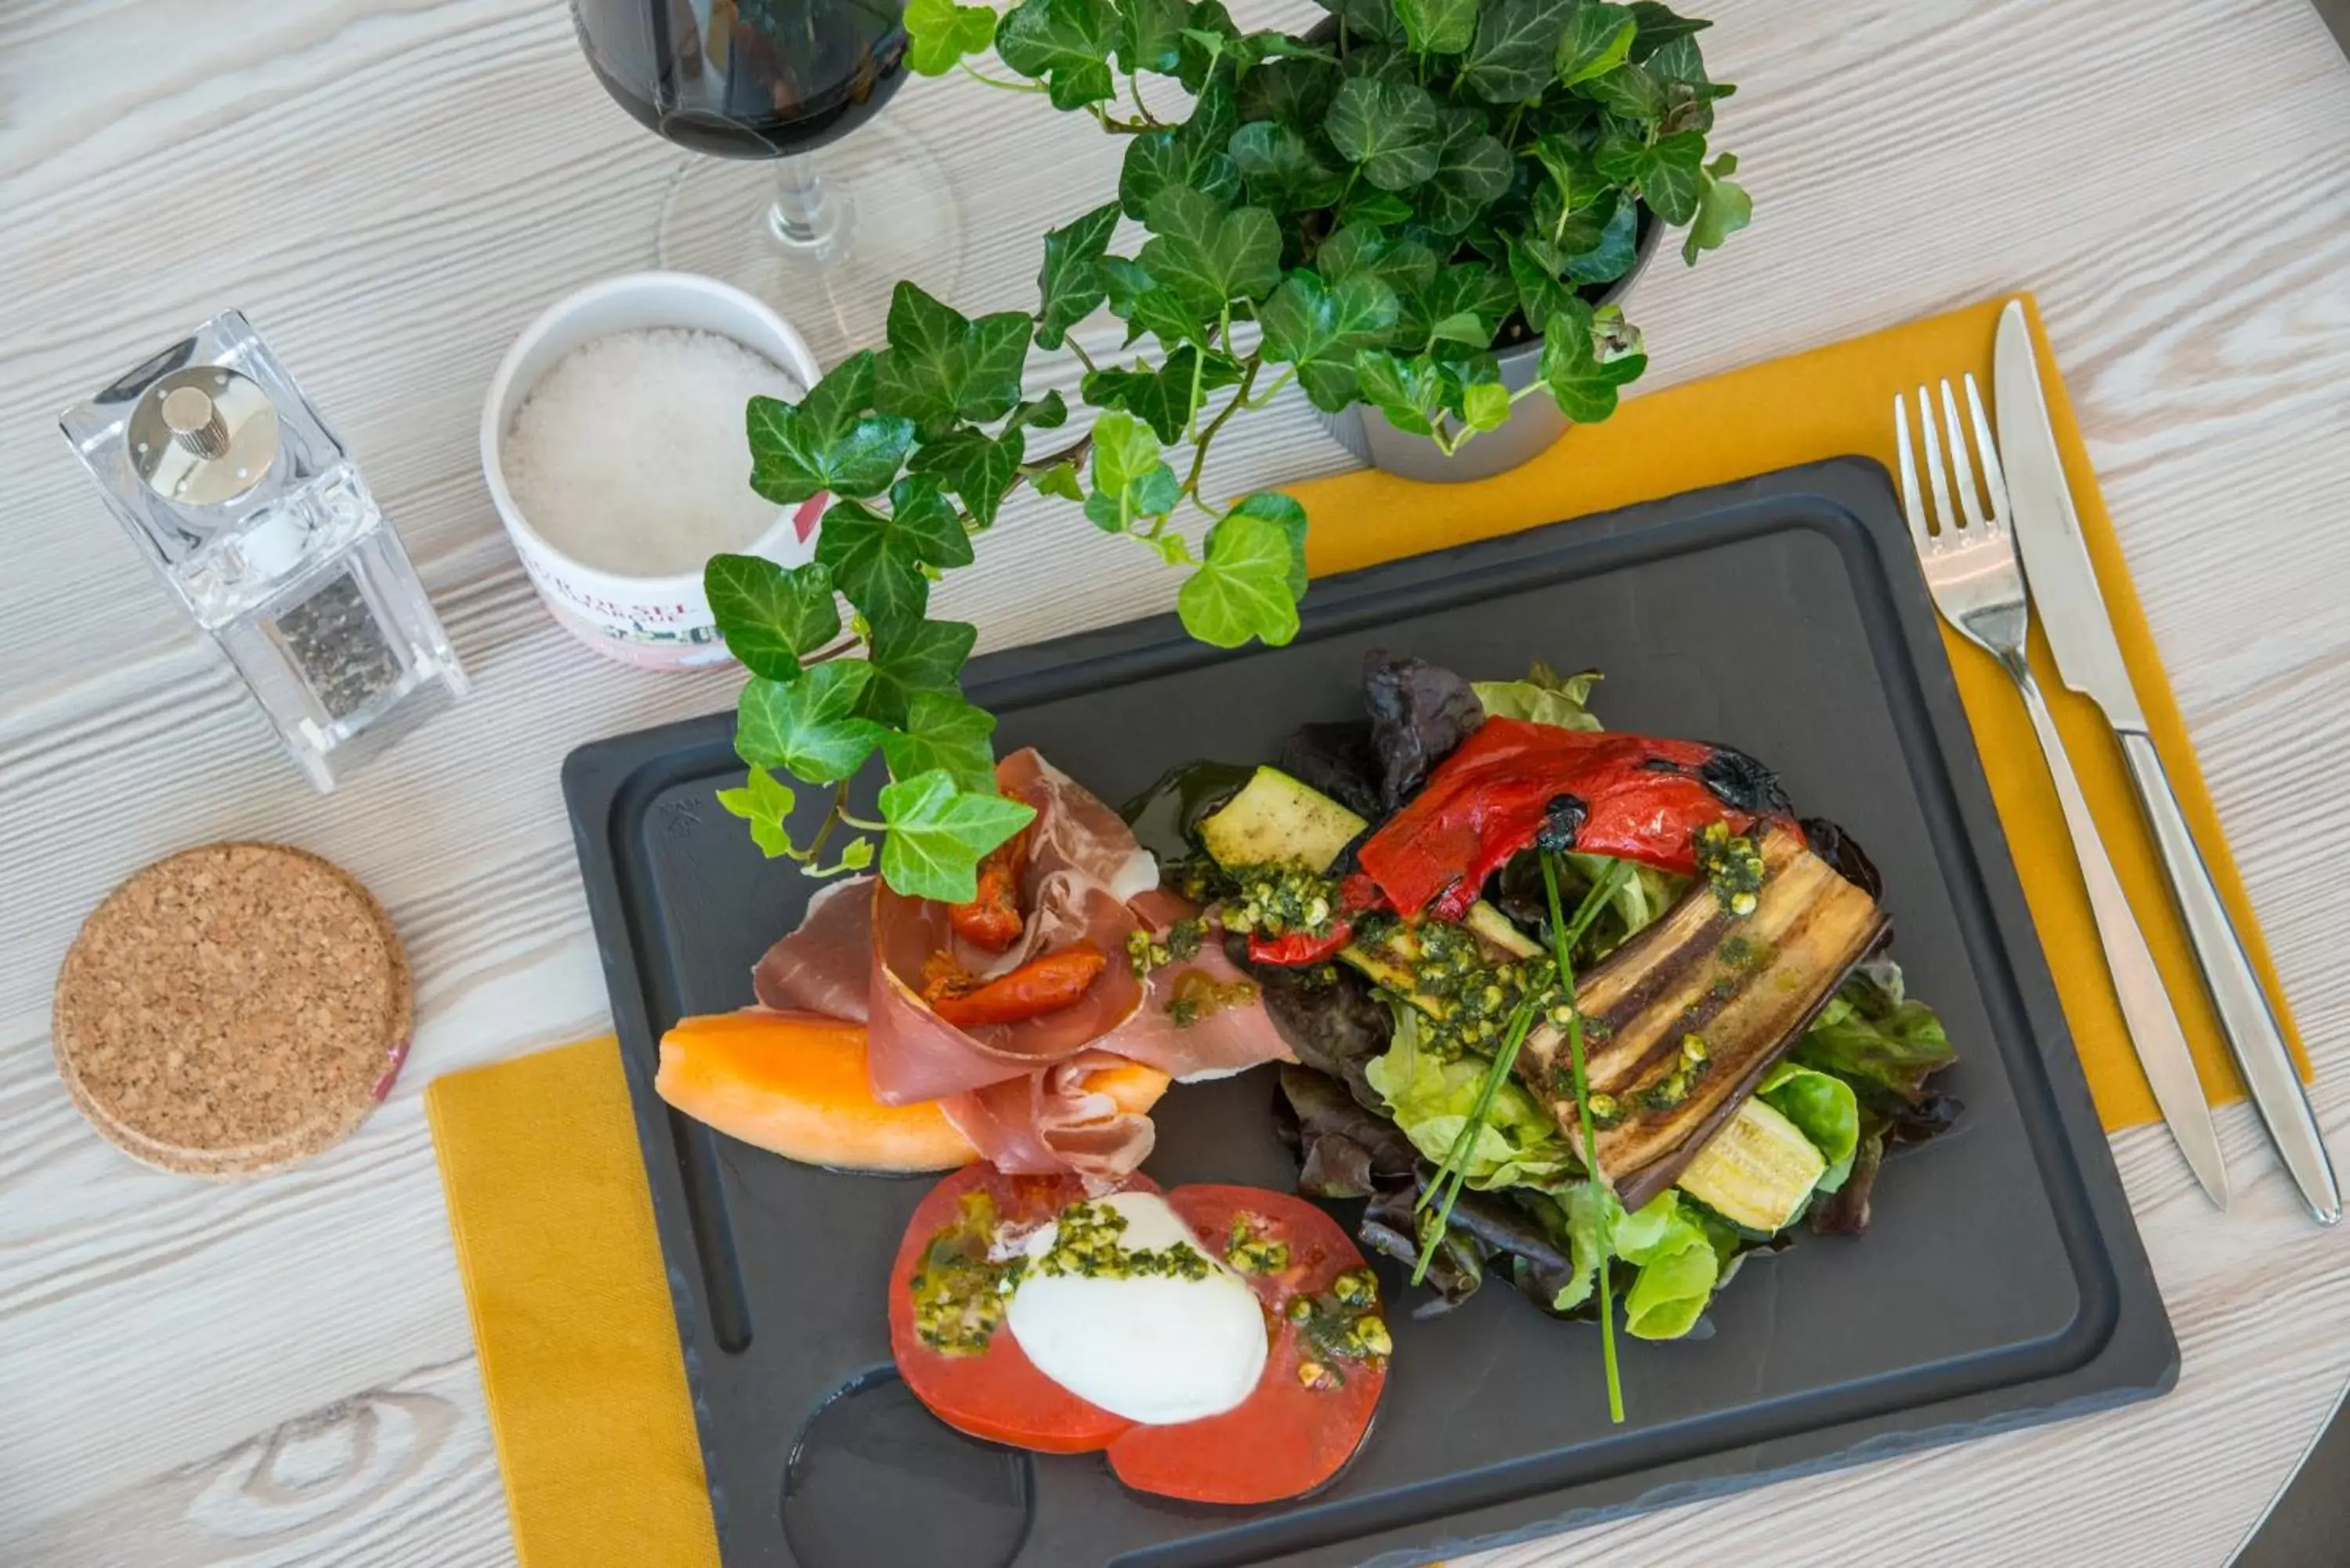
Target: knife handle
{"x":2154,"y":1029}
{"x":2250,"y":1024}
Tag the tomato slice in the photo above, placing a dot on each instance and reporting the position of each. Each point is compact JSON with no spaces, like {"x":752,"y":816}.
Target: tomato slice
{"x":1289,"y":1436}
{"x":997,"y":1395}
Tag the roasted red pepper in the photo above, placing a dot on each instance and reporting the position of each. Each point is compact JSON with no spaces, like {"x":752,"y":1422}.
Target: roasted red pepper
{"x":1358,"y":895}
{"x":991,"y":920}
{"x":1297,"y":950}
{"x":1037,"y":987}
{"x":1513,"y":783}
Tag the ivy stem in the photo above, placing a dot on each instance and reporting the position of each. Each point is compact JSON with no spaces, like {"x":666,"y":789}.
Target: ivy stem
{"x":1079,"y":350}
{"x":1134,"y":91}
{"x":1273,"y":390}
{"x":862,"y":826}
{"x":1199,"y":446}
{"x":985,"y":80}
{"x":835,"y":651}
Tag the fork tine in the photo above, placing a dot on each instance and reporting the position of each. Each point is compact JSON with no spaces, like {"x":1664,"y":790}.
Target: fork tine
{"x":1995,"y":480}
{"x":1913,"y":505}
{"x":1946,"y":521}
{"x":1969,"y":506}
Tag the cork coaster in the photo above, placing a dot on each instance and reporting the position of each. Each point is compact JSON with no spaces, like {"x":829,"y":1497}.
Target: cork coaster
{"x":233,"y":1009}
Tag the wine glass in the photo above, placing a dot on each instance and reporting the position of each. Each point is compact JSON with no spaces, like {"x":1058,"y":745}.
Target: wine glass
{"x":751,"y":88}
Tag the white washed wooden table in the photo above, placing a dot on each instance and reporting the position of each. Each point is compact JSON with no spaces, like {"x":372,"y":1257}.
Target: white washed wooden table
{"x":281,"y":1372}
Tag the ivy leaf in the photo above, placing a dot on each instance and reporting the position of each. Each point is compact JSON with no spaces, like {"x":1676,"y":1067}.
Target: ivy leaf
{"x":1150,"y":34}
{"x":1318,"y":329}
{"x":769,"y":615}
{"x":1658,"y":27}
{"x":1242,"y":589}
{"x":1071,"y":283}
{"x":1611,"y":256}
{"x":1294,"y":93}
{"x":1672,"y":177}
{"x":1406,"y":389}
{"x":976,"y":467}
{"x":1629,"y":92}
{"x":878,"y":558}
{"x":1465,"y":288}
{"x":1161,"y":160}
{"x":1287,"y":515}
{"x":1358,"y":250}
{"x":1280,"y":168}
{"x":1485,"y":405}
{"x":1208,"y":255}
{"x":1599,"y":38}
{"x":1060,"y":480}
{"x":1570,"y":231}
{"x":1049,"y":412}
{"x":1131,"y":479}
{"x":1472,"y":170}
{"x":942,"y":367}
{"x":1191,"y":153}
{"x":809,"y":727}
{"x":1209,"y":36}
{"x":1437,"y":26}
{"x":854,"y":855}
{"x":1669,"y":172}
{"x":765,"y":802}
{"x":939,"y":33}
{"x":1370,"y":207}
{"x":1583,"y":385}
{"x":939,"y":835}
{"x":1462,"y":377}
{"x":1147,"y":305}
{"x":1165,"y":397}
{"x":827,"y":441}
{"x":1372,"y":19}
{"x":1723,"y":210}
{"x":1541,"y":294}
{"x":1066,"y":43}
{"x":912,"y":657}
{"x":1514,"y":56}
{"x":1388,"y":128}
{"x":946,"y":733}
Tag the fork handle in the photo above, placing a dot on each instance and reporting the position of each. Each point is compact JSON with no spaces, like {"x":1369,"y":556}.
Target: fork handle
{"x":2154,"y":1027}
{"x":2249,"y":1025}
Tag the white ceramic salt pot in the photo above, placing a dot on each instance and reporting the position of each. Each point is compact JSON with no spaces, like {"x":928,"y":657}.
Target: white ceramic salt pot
{"x":654,"y":623}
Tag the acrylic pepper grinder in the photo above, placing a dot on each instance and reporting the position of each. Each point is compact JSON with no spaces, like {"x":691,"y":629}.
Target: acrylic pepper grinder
{"x":254,"y":516}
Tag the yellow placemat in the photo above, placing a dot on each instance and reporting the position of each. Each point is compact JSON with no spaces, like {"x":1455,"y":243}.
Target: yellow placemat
{"x":1832,"y":402}
{"x":571,"y":1315}
{"x":539,"y":1155}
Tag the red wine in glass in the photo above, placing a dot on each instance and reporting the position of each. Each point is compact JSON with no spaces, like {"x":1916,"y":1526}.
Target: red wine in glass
{"x":740,"y":81}
{"x":745,"y":79}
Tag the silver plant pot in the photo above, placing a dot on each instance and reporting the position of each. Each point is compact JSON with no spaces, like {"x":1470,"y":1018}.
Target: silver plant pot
{"x":1533,"y":425}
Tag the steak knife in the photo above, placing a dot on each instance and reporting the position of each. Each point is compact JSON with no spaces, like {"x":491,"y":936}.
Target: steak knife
{"x":2089,"y":659}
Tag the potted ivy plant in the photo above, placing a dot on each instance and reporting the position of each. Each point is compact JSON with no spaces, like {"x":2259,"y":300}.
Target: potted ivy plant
{"x":1423,"y":212}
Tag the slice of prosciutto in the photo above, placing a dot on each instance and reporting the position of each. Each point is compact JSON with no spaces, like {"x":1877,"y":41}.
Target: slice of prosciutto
{"x":1017,"y":1090}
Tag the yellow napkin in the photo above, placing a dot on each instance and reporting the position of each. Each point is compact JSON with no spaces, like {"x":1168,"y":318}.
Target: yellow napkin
{"x":1831,"y":402}
{"x":571,"y":1313}
{"x":539,"y":1155}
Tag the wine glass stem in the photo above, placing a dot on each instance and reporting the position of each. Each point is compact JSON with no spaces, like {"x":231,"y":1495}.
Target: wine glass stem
{"x":806,"y":214}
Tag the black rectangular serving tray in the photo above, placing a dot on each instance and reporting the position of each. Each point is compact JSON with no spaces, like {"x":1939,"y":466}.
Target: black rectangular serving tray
{"x":2002,"y":1283}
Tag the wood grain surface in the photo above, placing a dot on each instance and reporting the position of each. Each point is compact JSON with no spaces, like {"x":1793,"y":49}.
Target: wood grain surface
{"x":281,"y":1372}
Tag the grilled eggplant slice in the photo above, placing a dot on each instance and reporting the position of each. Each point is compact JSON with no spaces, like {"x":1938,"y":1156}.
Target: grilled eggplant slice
{"x":1683,"y":1020}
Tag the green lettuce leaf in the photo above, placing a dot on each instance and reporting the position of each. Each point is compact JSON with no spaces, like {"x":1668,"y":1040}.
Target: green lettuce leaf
{"x":1430,"y":1100}
{"x":1543,"y":697}
{"x":1872,"y":1034}
{"x":1676,"y":1261}
{"x":1823,"y":1108}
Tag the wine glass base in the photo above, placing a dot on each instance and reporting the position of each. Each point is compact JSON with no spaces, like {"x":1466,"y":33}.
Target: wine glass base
{"x":883,"y":210}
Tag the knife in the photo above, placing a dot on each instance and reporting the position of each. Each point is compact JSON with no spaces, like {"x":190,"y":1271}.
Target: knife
{"x":2081,"y":634}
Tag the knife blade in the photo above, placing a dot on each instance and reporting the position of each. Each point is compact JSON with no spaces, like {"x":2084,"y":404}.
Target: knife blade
{"x":2080,"y":631}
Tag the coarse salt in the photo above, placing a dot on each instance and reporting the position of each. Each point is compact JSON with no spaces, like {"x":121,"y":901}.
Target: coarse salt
{"x":629,"y":456}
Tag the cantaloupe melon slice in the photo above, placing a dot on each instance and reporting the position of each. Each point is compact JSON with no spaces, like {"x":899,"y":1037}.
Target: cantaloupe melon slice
{"x":796,"y":1082}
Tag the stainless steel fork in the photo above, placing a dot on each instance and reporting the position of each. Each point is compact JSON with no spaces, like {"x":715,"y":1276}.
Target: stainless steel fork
{"x":1968,"y":554}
